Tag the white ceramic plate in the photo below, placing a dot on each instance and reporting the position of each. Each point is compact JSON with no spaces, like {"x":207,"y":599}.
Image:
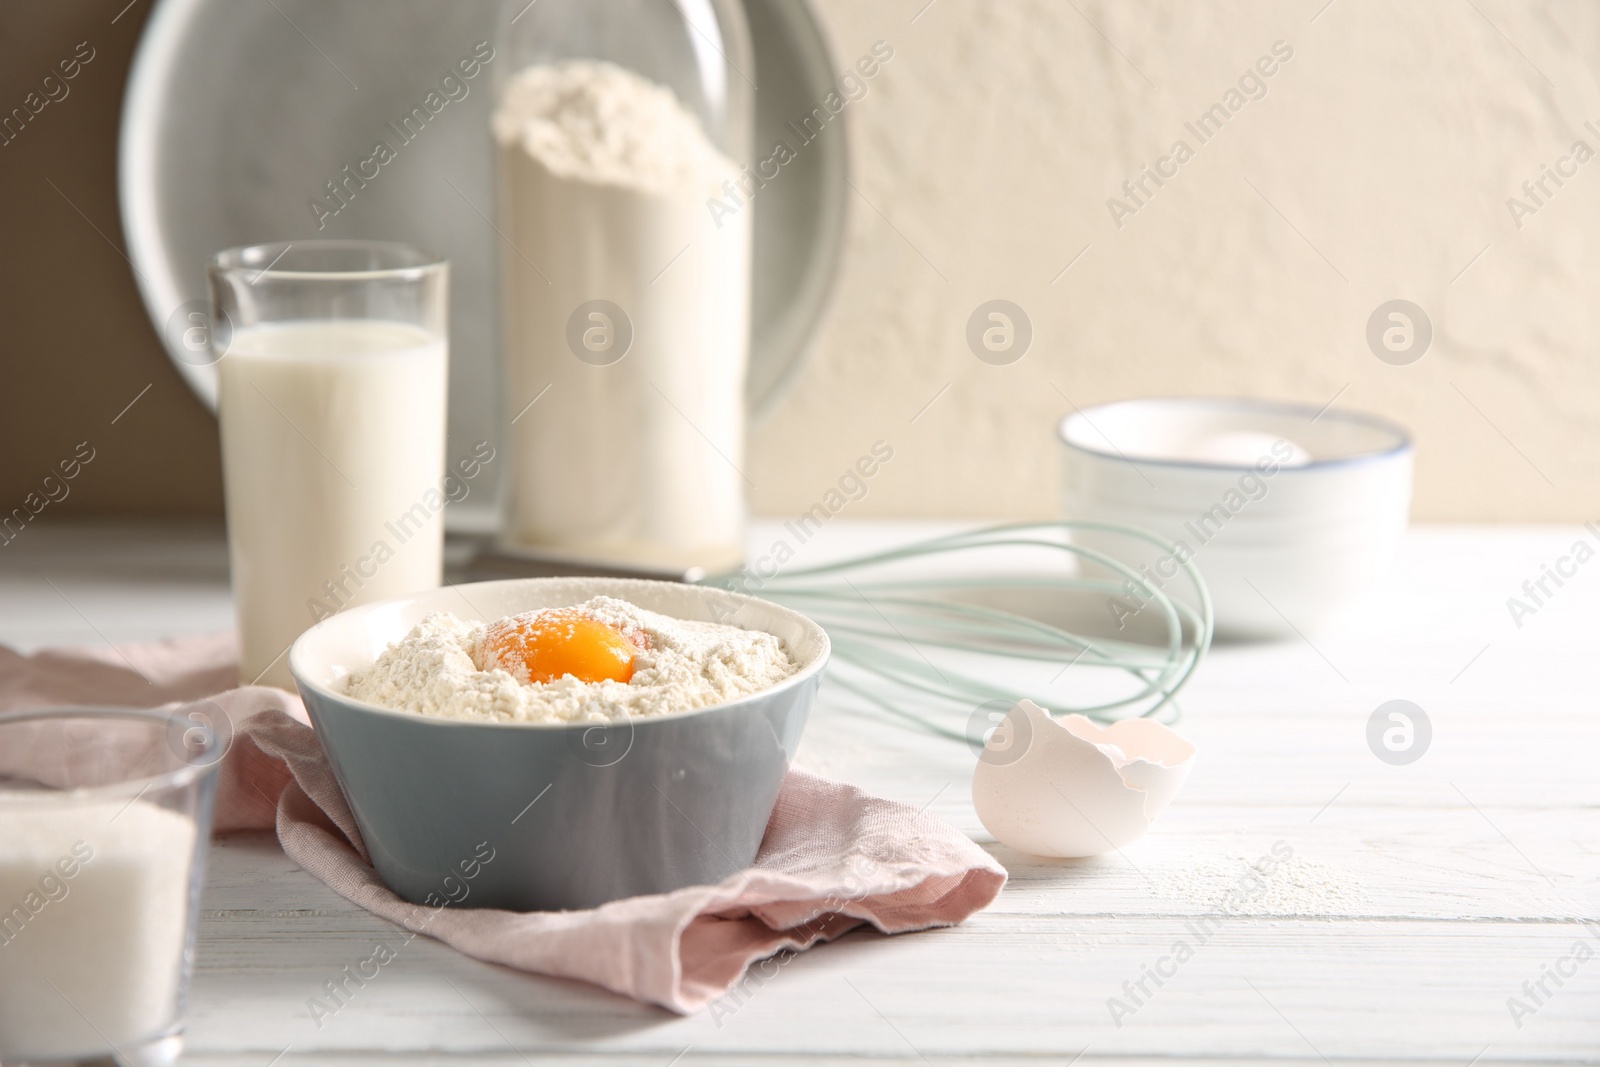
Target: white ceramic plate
{"x":238,"y":111}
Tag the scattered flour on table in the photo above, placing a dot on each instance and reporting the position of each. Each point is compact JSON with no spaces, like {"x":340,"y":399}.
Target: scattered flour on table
{"x":1263,"y":885}
{"x":434,"y":670}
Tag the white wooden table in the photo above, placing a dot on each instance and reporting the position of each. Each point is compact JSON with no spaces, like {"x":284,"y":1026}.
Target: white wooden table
{"x":1460,"y":877}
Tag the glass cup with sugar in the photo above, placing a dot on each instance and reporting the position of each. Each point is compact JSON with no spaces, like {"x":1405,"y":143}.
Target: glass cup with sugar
{"x":105,"y":816}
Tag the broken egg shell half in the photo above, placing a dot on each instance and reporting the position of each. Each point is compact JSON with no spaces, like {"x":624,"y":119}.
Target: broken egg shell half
{"x":1072,"y":788}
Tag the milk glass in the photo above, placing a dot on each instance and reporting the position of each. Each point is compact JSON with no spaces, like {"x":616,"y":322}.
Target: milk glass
{"x":105,"y":816}
{"x":332,"y":373}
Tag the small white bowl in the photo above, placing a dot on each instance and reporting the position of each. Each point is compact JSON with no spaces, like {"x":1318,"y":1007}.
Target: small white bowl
{"x":1290,"y":513}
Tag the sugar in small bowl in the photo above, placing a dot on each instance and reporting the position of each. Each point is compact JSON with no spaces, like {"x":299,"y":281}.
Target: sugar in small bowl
{"x":1290,"y":512}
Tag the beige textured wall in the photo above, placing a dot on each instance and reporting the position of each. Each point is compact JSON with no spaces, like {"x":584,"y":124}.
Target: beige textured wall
{"x":1378,"y":166}
{"x":75,"y":346}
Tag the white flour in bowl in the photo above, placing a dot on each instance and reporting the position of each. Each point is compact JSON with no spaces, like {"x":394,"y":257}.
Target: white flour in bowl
{"x":435,"y":670}
{"x":623,"y":298}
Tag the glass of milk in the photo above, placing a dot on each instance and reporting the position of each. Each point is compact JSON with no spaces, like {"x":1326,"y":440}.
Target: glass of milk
{"x":104,"y":819}
{"x":332,"y":376}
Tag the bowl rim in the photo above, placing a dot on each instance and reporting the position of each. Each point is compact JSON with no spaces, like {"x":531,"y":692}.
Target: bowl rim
{"x":798,"y":678}
{"x":1403,"y":441}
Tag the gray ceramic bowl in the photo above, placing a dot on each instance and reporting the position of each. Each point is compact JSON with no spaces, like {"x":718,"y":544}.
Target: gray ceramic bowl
{"x":539,"y":817}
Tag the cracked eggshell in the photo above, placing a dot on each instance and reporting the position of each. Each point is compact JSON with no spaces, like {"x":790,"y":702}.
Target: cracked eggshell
{"x":1072,"y":788}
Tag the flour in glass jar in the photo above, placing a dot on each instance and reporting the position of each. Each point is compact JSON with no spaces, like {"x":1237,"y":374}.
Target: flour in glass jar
{"x":625,"y":299}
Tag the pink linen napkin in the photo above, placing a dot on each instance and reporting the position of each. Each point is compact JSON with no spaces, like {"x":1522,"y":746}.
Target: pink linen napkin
{"x":834,"y":858}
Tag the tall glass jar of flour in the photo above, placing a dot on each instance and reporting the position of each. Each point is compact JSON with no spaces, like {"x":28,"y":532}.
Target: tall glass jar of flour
{"x":625,"y":294}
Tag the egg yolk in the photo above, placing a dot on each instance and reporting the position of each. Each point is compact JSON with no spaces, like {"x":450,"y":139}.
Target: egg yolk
{"x":541,"y":646}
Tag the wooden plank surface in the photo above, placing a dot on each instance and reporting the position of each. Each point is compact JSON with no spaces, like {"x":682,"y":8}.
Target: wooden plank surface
{"x":1433,"y":891}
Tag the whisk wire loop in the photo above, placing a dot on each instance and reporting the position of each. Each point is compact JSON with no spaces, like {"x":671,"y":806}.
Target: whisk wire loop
{"x":884,"y":627}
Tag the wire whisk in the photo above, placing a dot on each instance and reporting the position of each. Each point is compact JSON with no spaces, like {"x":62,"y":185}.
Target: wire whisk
{"x":994,"y":615}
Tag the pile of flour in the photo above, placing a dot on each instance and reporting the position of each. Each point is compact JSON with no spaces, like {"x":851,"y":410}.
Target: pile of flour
{"x":623,"y":298}
{"x":597,"y":122}
{"x":434,"y":670}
